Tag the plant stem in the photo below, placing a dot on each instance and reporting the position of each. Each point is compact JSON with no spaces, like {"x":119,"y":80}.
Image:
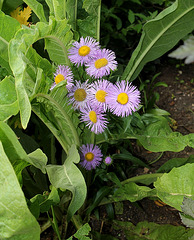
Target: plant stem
{"x":139,"y":178}
{"x":155,"y":160}
{"x":98,"y":22}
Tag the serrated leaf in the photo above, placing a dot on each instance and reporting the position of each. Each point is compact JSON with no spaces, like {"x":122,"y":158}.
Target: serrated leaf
{"x":37,"y":8}
{"x":185,"y":51}
{"x":172,"y":187}
{"x":16,"y":221}
{"x":160,"y":35}
{"x":68,"y":176}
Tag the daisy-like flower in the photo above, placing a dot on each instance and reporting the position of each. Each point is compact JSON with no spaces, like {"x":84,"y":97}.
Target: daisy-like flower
{"x":108,"y":160}
{"x":91,"y":156}
{"x":123,"y":98}
{"x":103,"y":62}
{"x":94,"y":118}
{"x":98,"y":93}
{"x":63,"y":73}
{"x":78,"y":94}
{"x":82,"y":51}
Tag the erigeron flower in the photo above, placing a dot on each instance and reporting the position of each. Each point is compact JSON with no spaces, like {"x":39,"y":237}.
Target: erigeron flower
{"x":98,"y":93}
{"x":90,"y":156}
{"x":102,"y":63}
{"x":78,"y":94}
{"x":82,"y":51}
{"x":123,"y":98}
{"x":108,"y":160}
{"x":94,"y":118}
{"x":63,"y":73}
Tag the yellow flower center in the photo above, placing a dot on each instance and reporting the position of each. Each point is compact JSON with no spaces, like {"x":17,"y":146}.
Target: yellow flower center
{"x":100,"y":95}
{"x":59,"y":78}
{"x":89,"y":156}
{"x":122,"y":98}
{"x":102,"y":62}
{"x":80,"y":95}
{"x":84,"y":50}
{"x":92,"y":116}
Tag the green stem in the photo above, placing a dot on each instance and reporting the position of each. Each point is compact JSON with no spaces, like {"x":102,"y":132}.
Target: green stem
{"x":155,"y":160}
{"x":98,"y":22}
{"x":64,"y":114}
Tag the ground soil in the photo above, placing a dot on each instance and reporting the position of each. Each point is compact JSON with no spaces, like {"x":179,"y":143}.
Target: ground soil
{"x":178,"y":100}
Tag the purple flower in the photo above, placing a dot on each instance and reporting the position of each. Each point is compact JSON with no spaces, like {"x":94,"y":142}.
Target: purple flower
{"x":82,"y":51}
{"x":78,"y":94}
{"x":102,"y":63}
{"x":63,"y":73}
{"x":94,"y":118}
{"x":108,"y":160}
{"x":98,"y":93}
{"x":123,"y":98}
{"x":91,"y":156}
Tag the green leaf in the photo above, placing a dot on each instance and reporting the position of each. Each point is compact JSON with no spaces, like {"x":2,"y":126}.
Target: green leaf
{"x":159,"y":137}
{"x":8,"y":99}
{"x":8,"y":28}
{"x":152,"y":231}
{"x":37,"y":8}
{"x":25,"y":62}
{"x":68,"y":176}
{"x":16,"y":220}
{"x":175,"y":162}
{"x":172,"y":187}
{"x":131,"y":16}
{"x":16,"y":153}
{"x":160,"y":35}
{"x":82,"y":232}
{"x":132,"y":192}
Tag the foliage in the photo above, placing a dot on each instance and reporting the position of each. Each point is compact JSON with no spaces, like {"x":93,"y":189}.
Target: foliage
{"x":187,"y":216}
{"x":53,"y":181}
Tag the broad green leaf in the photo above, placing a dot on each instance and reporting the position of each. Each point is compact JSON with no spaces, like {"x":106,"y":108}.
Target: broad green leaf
{"x":16,"y":221}
{"x":159,"y":137}
{"x":57,"y":8}
{"x":172,"y":187}
{"x":160,"y":35}
{"x":58,"y":116}
{"x":68,"y":176}
{"x":71,"y":12}
{"x":153,"y":231}
{"x":37,"y":8}
{"x":8,"y":99}
{"x":25,"y":62}
{"x":8,"y":28}
{"x":16,"y":153}
{"x":132,"y":192}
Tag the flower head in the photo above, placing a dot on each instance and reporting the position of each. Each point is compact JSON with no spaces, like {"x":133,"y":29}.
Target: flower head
{"x":91,"y":156}
{"x":102,"y":63}
{"x":98,"y":93}
{"x":63,"y":73}
{"x":78,"y":94}
{"x":94,"y":118}
{"x":123,"y":98}
{"x":108,"y":160}
{"x":82,"y":51}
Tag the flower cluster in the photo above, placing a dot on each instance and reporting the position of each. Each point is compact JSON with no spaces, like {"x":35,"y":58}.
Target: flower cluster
{"x":96,"y":95}
{"x":94,"y":99}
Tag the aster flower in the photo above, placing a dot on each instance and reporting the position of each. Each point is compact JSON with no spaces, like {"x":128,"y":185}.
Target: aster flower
{"x":78,"y":94}
{"x":123,"y":98}
{"x":108,"y":160}
{"x":63,"y":73}
{"x":102,"y":63}
{"x":91,"y":156}
{"x":82,"y":51}
{"x":98,"y":93}
{"x":94,"y":118}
